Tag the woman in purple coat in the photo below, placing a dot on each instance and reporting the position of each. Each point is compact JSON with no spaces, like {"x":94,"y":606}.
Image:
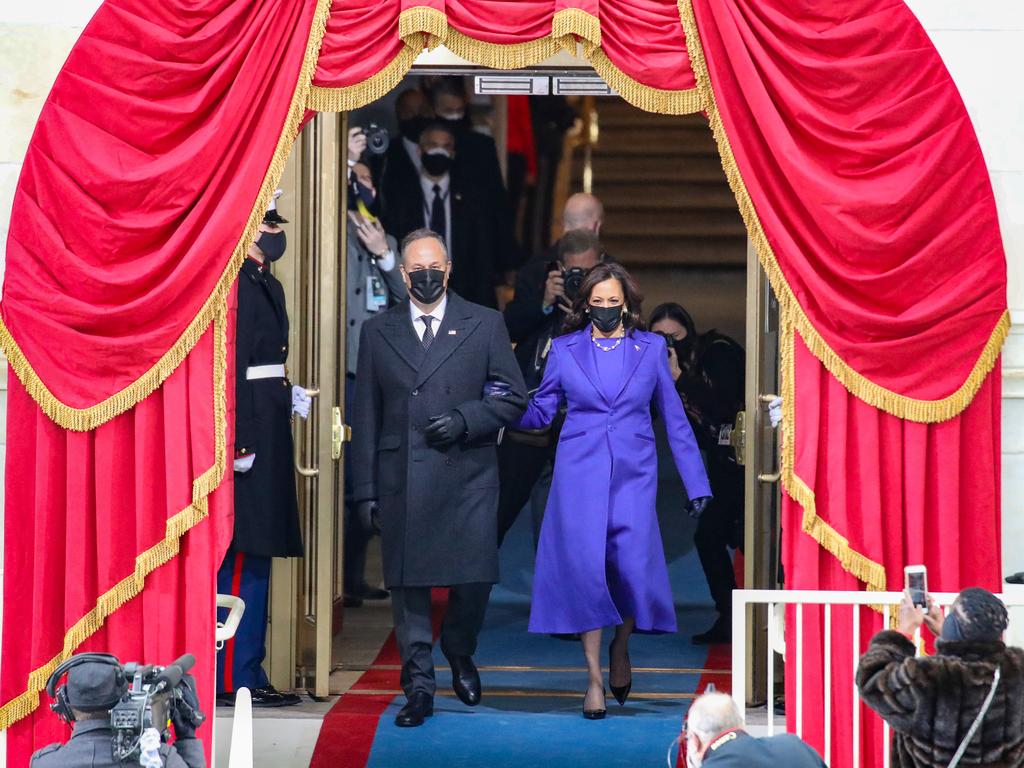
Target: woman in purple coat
{"x":600,"y":560}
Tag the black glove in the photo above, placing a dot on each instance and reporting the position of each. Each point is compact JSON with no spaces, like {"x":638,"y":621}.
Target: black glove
{"x":445,"y":430}
{"x":369,"y":515}
{"x":186,"y":715}
{"x":695,"y":507}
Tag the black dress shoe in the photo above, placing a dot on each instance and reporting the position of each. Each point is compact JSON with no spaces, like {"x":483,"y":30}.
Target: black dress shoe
{"x":465,"y":679}
{"x":593,"y":714}
{"x":1017,"y":578}
{"x":352,"y":601}
{"x":269,"y":696}
{"x":419,"y":707}
{"x":371,"y":593}
{"x":720,"y":633}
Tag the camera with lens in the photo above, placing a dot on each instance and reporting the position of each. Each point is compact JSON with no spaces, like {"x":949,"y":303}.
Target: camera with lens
{"x":152,"y":695}
{"x":377,"y":139}
{"x":572,"y":279}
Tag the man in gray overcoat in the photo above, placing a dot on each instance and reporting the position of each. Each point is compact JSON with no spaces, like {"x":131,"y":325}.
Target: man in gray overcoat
{"x":437,"y":380}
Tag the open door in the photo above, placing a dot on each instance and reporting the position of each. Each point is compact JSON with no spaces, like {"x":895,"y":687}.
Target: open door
{"x":306,"y":592}
{"x":760,"y":450}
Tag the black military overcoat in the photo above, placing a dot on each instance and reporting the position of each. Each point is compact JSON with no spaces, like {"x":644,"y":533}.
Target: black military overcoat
{"x":266,"y":508}
{"x":438,"y":507}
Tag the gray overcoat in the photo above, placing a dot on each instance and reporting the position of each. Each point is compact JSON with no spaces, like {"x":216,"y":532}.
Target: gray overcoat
{"x":360,"y":265}
{"x":438,"y":508}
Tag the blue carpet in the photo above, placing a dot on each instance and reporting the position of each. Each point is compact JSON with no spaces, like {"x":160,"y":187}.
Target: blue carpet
{"x":532,"y":716}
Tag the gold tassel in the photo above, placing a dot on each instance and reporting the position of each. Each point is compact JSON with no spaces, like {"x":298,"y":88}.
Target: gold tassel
{"x":642,"y":96}
{"x":423,"y":19}
{"x":575,"y":21}
{"x":86,"y":419}
{"x":159,"y":554}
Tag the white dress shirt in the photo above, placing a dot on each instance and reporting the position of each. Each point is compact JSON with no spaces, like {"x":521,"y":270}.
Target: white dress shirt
{"x":445,"y":184}
{"x":438,"y":314}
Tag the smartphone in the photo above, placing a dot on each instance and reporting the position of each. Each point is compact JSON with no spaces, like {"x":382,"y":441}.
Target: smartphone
{"x":916,"y":582}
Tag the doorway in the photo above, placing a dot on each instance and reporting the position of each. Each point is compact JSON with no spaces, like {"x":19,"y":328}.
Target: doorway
{"x":671,"y":220}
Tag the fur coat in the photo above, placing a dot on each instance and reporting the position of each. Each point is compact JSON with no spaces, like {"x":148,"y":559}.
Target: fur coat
{"x":931,"y":702}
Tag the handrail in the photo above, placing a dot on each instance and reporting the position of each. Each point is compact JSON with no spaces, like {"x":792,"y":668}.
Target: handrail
{"x":583,"y":135}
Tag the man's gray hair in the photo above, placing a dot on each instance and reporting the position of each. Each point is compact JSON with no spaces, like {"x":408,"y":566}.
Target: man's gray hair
{"x":423,"y":233}
{"x":711,"y":714}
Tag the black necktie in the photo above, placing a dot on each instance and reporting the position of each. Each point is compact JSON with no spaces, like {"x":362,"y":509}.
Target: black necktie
{"x":428,"y":333}
{"x":438,"y":221}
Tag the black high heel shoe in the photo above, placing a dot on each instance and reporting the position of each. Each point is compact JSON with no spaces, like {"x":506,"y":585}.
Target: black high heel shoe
{"x":594,"y":714}
{"x":620,"y":692}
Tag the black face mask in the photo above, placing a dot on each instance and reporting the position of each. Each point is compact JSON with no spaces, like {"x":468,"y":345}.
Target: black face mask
{"x":427,"y":285}
{"x":457,"y":124}
{"x":606,"y":319}
{"x":413,"y":128}
{"x":272,"y":244}
{"x":359,"y":192}
{"x":437,"y":163}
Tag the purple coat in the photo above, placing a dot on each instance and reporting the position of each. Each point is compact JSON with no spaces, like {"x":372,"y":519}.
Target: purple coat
{"x":600,"y":557}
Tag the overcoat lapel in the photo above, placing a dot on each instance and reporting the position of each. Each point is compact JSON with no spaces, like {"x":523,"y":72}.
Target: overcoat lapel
{"x":635,"y":350}
{"x":579,"y":346}
{"x":457,"y":326}
{"x":399,"y":333}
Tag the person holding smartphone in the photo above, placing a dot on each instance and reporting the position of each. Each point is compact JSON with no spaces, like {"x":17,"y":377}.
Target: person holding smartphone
{"x":965,"y":704}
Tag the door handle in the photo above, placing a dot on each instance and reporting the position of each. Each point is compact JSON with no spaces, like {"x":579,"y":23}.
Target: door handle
{"x":738,"y":438}
{"x":341,"y":433}
{"x":770,"y":478}
{"x":305,"y":471}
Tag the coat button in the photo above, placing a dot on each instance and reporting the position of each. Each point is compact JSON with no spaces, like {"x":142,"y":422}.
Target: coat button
{"x":358,"y":291}
{"x":284,"y":349}
{"x":449,"y":462}
{"x":351,"y":322}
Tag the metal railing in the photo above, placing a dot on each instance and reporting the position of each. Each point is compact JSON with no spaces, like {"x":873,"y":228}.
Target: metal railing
{"x":886,"y":602}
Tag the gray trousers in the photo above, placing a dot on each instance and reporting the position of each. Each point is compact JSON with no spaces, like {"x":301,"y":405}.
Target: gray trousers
{"x":467,"y":604}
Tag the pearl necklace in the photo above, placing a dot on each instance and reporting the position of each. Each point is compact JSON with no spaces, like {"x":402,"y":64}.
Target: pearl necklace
{"x":612,"y":348}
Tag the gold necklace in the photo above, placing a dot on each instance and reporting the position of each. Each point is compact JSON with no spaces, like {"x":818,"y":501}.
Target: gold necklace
{"x":612,"y":348}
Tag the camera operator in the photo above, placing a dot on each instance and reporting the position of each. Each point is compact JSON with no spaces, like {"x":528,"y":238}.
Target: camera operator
{"x":709,"y":371}
{"x":544,"y":294}
{"x":963,"y":705}
{"x":95,"y":684}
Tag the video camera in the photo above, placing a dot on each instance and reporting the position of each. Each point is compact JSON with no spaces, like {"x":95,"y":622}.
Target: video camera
{"x":152,"y":695}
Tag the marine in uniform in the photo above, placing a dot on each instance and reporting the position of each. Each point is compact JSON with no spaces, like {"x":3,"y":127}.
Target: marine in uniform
{"x":266,"y":507}
{"x":95,"y":683}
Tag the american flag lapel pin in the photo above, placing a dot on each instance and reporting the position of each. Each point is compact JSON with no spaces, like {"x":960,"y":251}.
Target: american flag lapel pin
{"x":636,"y":347}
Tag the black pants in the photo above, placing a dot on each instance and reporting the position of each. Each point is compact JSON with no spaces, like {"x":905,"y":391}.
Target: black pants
{"x":721,"y":527}
{"x":356,"y":539}
{"x":410,"y":606}
{"x":520,"y":466}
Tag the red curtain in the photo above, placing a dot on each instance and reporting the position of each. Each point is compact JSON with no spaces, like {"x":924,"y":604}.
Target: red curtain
{"x":93,"y":519}
{"x":142,"y":188}
{"x":904,"y":493}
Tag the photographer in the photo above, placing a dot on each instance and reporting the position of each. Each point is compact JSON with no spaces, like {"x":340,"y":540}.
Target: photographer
{"x":544,"y":293}
{"x":966,"y":700}
{"x":709,"y":371}
{"x":96,"y":683}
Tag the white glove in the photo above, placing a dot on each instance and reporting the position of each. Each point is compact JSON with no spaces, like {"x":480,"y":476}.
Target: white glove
{"x":244,"y":464}
{"x":775,"y":411}
{"x":301,"y":402}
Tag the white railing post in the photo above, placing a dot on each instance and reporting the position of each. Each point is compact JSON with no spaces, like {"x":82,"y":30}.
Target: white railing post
{"x":739,"y":649}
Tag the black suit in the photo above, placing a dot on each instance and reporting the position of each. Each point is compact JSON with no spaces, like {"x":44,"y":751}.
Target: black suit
{"x":738,"y":749}
{"x":483,"y":246}
{"x":438,"y":508}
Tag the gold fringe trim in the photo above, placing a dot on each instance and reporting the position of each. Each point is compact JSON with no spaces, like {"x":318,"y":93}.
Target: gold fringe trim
{"x":373,"y":88}
{"x":85,"y":419}
{"x":568,"y":24}
{"x":159,"y":554}
{"x":924,"y":411}
{"x":644,"y":96}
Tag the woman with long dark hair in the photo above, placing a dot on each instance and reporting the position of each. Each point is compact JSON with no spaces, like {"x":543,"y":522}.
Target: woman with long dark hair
{"x":600,"y":560}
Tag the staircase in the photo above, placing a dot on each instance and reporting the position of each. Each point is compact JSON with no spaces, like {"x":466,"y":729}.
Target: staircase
{"x":670,"y":217}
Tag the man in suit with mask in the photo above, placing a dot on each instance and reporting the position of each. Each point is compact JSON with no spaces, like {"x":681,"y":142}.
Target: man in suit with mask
{"x":451,"y":200}
{"x":266,"y":508}
{"x":437,"y":382}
